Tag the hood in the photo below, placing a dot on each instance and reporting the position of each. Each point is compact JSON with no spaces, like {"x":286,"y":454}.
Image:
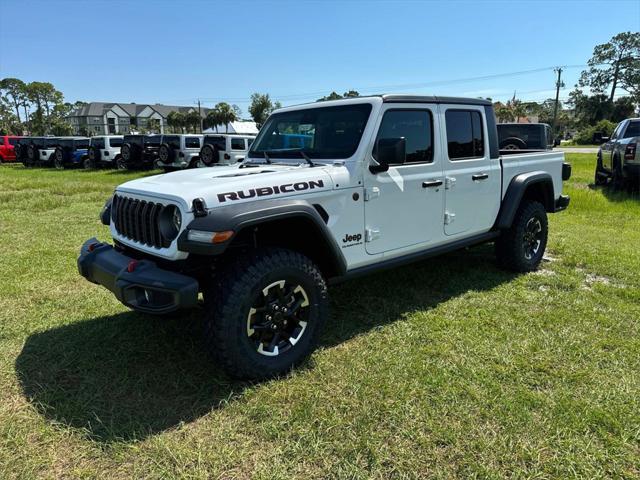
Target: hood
{"x":226,"y":185}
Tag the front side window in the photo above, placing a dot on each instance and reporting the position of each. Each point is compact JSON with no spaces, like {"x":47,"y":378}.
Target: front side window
{"x":97,"y":142}
{"x":237,"y":144}
{"x":633,"y":130}
{"x":322,"y":132}
{"x":465,"y":138}
{"x":616,"y":132}
{"x":416,"y":127}
{"x":192,"y":142}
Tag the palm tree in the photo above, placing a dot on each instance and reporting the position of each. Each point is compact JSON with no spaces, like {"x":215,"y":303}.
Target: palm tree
{"x":226,"y":114}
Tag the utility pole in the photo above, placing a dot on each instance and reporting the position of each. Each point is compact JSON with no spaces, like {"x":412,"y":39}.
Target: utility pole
{"x":559,"y":85}
{"x":200,"y":115}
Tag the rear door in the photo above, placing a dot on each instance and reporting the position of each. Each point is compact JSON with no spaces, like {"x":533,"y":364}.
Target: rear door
{"x":403,"y":206}
{"x":472,"y":178}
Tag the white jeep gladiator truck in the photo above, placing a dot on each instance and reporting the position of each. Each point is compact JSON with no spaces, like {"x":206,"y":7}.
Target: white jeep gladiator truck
{"x":380,"y":181}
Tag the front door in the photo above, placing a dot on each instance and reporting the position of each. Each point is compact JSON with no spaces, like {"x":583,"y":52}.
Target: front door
{"x":472,"y":178}
{"x":403,"y":206}
{"x":607,"y":148}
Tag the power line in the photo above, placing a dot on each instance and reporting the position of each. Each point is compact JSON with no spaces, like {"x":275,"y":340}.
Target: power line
{"x":387,"y":88}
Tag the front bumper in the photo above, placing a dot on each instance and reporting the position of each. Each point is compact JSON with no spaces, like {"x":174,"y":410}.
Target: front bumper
{"x":138,"y":284}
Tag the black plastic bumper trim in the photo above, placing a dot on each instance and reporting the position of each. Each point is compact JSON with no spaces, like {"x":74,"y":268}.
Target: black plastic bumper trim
{"x":566,"y":171}
{"x":147,"y":288}
{"x":562,"y":203}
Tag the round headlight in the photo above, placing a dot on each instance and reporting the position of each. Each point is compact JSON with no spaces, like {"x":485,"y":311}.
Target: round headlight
{"x":170,"y":222}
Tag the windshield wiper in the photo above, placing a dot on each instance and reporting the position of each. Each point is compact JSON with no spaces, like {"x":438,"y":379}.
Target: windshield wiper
{"x":306,"y":157}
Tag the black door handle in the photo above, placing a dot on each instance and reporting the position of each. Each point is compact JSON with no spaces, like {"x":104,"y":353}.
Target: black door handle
{"x":480,"y":176}
{"x":431,"y":183}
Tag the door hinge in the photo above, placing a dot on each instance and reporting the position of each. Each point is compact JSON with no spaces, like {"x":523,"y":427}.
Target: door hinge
{"x":449,"y":218}
{"x":371,"y":234}
{"x":449,"y":182}
{"x":371,"y":193}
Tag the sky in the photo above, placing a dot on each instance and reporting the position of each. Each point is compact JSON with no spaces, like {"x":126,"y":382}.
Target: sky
{"x":174,"y":52}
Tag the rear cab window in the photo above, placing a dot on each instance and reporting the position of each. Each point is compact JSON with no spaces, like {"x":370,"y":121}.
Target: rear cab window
{"x":465,"y":136}
{"x":633,"y":129}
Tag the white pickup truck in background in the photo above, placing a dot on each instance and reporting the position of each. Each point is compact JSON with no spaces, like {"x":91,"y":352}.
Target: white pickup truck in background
{"x":328,"y":191}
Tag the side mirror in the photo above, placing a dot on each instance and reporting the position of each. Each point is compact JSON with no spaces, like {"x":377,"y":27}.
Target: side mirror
{"x":389,"y":151}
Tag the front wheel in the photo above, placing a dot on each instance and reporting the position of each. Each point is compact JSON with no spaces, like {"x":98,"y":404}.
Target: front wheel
{"x":264,"y":313}
{"x":58,"y":159}
{"x":521,"y":247}
{"x":600,"y":176}
{"x":121,"y":164}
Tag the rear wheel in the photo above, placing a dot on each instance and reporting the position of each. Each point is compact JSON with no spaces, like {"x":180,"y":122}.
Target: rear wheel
{"x":600,"y":175}
{"x":264,"y":313}
{"x":521,"y":247}
{"x":88,"y":163}
{"x":58,"y":159}
{"x":618,"y":181}
{"x":209,"y":155}
{"x":121,"y":164}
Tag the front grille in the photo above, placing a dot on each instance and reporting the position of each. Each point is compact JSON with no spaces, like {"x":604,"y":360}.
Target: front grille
{"x":138,"y":220}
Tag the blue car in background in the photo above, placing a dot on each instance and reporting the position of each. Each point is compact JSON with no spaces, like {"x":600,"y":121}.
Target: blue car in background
{"x":71,"y":151}
{"x":296,"y":140}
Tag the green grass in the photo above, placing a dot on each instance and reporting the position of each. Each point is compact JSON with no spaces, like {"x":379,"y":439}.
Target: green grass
{"x":447,"y":368}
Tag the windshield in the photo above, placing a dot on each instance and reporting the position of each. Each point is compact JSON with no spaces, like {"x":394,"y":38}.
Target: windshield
{"x":321,"y":132}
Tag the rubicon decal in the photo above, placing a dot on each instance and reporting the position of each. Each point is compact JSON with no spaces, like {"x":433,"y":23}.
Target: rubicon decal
{"x":266,"y":191}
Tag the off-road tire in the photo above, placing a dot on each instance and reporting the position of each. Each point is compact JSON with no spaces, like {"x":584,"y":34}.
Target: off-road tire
{"x":32,"y":154}
{"x":126,"y":151}
{"x":121,"y":164}
{"x":166,"y":154}
{"x":58,"y":159}
{"x":513,"y":246}
{"x":600,"y":177}
{"x":234,"y":291}
{"x":618,"y":180}
{"x":94,"y":155}
{"x":88,"y":163}
{"x":209,"y":155}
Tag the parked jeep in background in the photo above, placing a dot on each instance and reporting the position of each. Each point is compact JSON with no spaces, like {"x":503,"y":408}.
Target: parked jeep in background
{"x":138,"y":151}
{"x":39,"y":151}
{"x":525,"y":136}
{"x":7,"y":148}
{"x":103,"y":150}
{"x":177,"y":152}
{"x":618,"y":158}
{"x":224,"y":149}
{"x":70,"y":151}
{"x":385,"y":180}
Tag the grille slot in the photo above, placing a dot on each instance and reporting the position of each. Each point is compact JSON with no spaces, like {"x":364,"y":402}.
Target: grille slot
{"x":138,"y":220}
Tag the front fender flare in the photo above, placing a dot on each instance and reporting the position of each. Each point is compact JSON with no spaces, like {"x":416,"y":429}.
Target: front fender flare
{"x":253,"y":214}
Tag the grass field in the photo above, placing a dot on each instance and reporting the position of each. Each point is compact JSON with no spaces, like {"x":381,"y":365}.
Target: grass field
{"x":447,"y":368}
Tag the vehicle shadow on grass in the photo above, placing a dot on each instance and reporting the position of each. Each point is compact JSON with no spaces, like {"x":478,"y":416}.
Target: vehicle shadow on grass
{"x":127,"y":376}
{"x":628,"y":192}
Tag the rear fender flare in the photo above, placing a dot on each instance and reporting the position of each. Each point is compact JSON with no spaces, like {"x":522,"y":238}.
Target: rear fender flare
{"x":516,"y":192}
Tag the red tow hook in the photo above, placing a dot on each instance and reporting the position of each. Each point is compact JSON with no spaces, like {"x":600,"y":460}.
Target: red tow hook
{"x":93,"y":246}
{"x":132,"y":266}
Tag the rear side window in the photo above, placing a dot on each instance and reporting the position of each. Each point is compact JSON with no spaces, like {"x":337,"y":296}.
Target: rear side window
{"x":237,"y":144}
{"x":115,"y":142}
{"x":465,"y":138}
{"x":82,"y":144}
{"x":13,"y":141}
{"x":191,"y":142}
{"x":217,"y":141}
{"x":172,"y":140}
{"x":415,"y":126}
{"x":633,"y":130}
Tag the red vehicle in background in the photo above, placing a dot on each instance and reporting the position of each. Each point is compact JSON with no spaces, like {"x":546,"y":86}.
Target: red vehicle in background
{"x":7,"y":148}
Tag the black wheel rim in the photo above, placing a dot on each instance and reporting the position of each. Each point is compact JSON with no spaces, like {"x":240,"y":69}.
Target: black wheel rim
{"x":532,"y":239}
{"x":278,"y":318}
{"x":207,"y":156}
